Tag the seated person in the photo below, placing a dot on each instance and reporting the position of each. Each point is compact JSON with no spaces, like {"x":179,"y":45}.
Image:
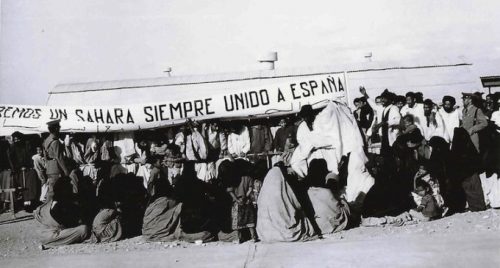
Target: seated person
{"x":281,"y":218}
{"x":61,"y":218}
{"x":331,"y":212}
{"x":423,"y":174}
{"x":162,"y":215}
{"x":428,"y":209}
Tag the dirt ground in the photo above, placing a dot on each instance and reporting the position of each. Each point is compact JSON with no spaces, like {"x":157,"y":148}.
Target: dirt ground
{"x":464,"y":240}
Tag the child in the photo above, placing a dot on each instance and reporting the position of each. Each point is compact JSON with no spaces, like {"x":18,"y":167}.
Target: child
{"x":239,"y":185}
{"x":157,"y":176}
{"x":428,"y":208}
{"x":409,"y":124}
{"x":423,"y":174}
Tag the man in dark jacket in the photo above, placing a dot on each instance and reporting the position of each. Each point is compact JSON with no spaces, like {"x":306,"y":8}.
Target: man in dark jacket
{"x":473,"y":119}
{"x":54,"y":153}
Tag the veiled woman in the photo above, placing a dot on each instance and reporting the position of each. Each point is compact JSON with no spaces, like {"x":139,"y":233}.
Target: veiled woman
{"x":280,"y":216}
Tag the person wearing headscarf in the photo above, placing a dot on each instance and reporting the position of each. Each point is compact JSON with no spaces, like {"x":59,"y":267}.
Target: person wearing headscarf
{"x":162,"y":215}
{"x":331,"y":211}
{"x":239,"y":184}
{"x":439,"y":164}
{"x":311,"y":145}
{"x":465,"y":182}
{"x":60,"y":217}
{"x":281,"y":218}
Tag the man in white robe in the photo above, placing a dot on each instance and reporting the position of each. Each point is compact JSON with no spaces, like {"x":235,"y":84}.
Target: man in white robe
{"x":413,"y":108}
{"x":335,"y":134}
{"x":390,"y":123}
{"x":451,"y":117}
{"x":433,"y":125}
{"x":311,"y":145}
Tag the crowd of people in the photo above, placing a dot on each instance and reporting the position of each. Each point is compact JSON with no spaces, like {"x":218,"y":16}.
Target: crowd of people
{"x":392,"y":160}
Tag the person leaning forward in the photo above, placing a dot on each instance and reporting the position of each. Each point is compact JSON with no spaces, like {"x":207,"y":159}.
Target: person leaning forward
{"x":54,"y":152}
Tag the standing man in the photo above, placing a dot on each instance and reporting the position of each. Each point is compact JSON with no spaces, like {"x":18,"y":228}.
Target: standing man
{"x":390,"y":122}
{"x":433,"y":125}
{"x":54,"y":153}
{"x":473,"y":118}
{"x":414,"y":108}
{"x":451,"y":117}
{"x":376,"y":114}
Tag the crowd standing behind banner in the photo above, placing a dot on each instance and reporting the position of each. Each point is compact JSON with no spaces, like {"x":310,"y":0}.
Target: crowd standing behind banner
{"x":262,"y":179}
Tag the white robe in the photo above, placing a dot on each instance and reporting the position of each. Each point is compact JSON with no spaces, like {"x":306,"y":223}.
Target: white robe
{"x":307,"y":150}
{"x":431,"y":130}
{"x":239,"y":143}
{"x":336,"y":127}
{"x":451,"y":121}
{"x":394,"y":118}
{"x":378,"y":109}
{"x":417,"y":111}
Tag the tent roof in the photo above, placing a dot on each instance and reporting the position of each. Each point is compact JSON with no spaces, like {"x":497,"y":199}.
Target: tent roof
{"x":122,"y":92}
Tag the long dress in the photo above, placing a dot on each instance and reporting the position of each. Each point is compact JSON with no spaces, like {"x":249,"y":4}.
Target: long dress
{"x":464,"y":176}
{"x":331,"y":215}
{"x":55,"y":233}
{"x":106,"y":226}
{"x":243,"y":215}
{"x":161,"y":220}
{"x":280,"y":215}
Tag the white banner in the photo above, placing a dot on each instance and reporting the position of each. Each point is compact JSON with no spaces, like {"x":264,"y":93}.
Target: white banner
{"x":263,"y":101}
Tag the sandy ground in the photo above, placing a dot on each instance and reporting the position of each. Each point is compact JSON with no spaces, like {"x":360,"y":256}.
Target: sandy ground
{"x":463,"y":240}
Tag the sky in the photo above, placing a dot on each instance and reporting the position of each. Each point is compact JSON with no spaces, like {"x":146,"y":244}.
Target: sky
{"x":47,"y":42}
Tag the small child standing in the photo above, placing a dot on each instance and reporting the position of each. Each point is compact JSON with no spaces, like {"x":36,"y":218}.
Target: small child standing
{"x":240,"y":186}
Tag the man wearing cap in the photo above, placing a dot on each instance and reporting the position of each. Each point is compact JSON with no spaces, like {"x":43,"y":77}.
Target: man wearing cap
{"x":54,"y":153}
{"x":451,"y":117}
{"x":473,"y":119}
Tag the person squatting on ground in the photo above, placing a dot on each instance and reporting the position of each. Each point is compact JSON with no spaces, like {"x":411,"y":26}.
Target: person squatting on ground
{"x":61,"y":217}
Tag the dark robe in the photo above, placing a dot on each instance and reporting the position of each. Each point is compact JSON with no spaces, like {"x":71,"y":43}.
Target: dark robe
{"x":465,"y":182}
{"x":61,"y":224}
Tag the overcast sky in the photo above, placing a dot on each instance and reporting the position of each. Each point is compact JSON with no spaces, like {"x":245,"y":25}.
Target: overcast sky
{"x":47,"y":42}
